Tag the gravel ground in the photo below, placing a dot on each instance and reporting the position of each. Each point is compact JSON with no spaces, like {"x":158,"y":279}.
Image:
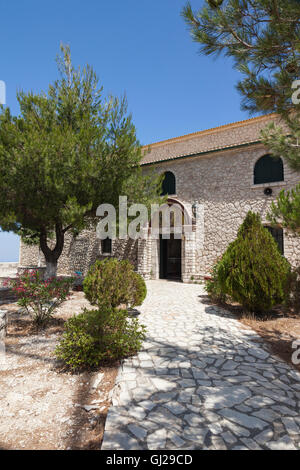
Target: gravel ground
{"x":41,"y":406}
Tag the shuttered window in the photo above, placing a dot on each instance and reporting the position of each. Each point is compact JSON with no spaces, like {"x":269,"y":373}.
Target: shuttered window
{"x":277,"y":234}
{"x":169,"y":184}
{"x":268,"y":170}
{"x":106,"y":246}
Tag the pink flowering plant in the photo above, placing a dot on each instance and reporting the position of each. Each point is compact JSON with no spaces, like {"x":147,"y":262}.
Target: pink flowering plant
{"x":39,"y":297}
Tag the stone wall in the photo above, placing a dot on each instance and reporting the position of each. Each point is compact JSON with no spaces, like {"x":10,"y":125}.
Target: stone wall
{"x":222,"y":183}
{"x":80,"y":253}
{"x":8,"y":269}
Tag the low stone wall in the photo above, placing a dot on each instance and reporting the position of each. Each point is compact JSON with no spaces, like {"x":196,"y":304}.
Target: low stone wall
{"x":8,"y":269}
{"x":41,"y":269}
{"x":6,"y":294}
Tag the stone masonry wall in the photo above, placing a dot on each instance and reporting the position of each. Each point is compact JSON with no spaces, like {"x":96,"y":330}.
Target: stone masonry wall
{"x":80,"y":253}
{"x":222,"y":182}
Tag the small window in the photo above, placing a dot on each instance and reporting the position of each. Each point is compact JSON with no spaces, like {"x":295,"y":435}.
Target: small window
{"x":169,"y":184}
{"x":268,"y":169}
{"x":106,"y":246}
{"x":277,"y":234}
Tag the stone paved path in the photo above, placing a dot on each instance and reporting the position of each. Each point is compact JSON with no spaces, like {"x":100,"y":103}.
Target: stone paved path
{"x":202,"y":381}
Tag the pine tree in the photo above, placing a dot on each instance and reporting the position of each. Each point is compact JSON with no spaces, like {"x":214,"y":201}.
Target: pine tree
{"x":68,"y":151}
{"x":263,"y":39}
{"x":286,"y":210}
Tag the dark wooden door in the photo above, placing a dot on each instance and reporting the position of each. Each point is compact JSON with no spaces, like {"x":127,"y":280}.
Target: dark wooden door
{"x":170,"y":258}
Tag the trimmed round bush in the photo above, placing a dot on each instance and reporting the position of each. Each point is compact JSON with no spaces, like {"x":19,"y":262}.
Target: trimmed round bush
{"x":252,"y":271}
{"x":97,"y":337}
{"x":114,"y":283}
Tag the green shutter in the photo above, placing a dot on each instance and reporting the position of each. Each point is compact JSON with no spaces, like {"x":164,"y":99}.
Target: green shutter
{"x":268,"y":170}
{"x":169,"y":184}
{"x":106,"y":245}
{"x":277,"y":234}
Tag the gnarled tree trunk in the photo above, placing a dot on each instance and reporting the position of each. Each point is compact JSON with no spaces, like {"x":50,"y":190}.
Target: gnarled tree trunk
{"x":52,"y":255}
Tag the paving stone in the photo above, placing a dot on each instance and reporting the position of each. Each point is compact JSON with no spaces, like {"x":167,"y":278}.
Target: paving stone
{"x":258,"y":353}
{"x":119,"y":440}
{"x":195,"y":434}
{"x":187,"y":383}
{"x":199,"y":374}
{"x":244,"y":409}
{"x":258,"y":402}
{"x":163,"y":416}
{"x":137,"y":412}
{"x":291,"y":426}
{"x":226,"y":397}
{"x":193,"y":408}
{"x":266,"y":414}
{"x":250,"y":443}
{"x":285,"y":443}
{"x":176,"y":439}
{"x":229,"y":437}
{"x":229,"y":365}
{"x":202,"y":381}
{"x":147,"y":404}
{"x":235,"y":428}
{"x":215,"y":428}
{"x":218,"y":443}
{"x":157,"y":440}
{"x":264,"y":436}
{"x":163,"y":385}
{"x":185,"y":396}
{"x":138,"y":431}
{"x":244,"y":420}
{"x":193,"y":419}
{"x":175,"y":407}
{"x":163,"y":397}
{"x":116,"y":420}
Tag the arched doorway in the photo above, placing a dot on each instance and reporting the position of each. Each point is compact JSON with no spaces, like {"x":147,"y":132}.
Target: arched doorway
{"x":170,"y":256}
{"x":168,"y":260}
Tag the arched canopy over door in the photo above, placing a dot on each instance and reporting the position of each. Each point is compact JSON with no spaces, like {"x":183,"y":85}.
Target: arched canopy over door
{"x":169,"y":184}
{"x":268,"y":170}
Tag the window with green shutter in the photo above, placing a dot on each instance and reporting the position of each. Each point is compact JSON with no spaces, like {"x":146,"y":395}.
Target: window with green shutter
{"x":106,"y":246}
{"x":169,"y":184}
{"x":277,"y":234}
{"x":268,"y":170}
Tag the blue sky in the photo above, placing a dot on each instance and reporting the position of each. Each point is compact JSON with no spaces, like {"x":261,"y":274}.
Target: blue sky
{"x":139,"y":47}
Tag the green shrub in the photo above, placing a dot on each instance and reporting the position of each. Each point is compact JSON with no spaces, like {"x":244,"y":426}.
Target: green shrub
{"x":213,"y":287}
{"x":40,"y":298}
{"x":114,"y":283}
{"x":97,"y":337}
{"x":252,"y":271}
{"x":137,"y":290}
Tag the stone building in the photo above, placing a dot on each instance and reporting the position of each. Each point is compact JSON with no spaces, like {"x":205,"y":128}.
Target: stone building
{"x":216,"y":176}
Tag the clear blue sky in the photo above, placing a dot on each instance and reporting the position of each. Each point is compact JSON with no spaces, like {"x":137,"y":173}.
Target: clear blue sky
{"x":139,"y":47}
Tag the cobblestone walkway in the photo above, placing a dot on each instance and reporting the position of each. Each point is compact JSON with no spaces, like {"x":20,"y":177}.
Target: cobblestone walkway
{"x":202,"y":381}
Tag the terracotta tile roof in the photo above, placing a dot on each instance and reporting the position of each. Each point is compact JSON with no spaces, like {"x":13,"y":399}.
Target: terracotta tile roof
{"x":227,"y":136}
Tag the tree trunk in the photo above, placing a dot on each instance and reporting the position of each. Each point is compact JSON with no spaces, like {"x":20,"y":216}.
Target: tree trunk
{"x":51,"y":269}
{"x":52,"y":255}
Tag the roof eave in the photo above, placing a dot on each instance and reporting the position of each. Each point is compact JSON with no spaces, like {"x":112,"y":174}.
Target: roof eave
{"x":205,"y":152}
